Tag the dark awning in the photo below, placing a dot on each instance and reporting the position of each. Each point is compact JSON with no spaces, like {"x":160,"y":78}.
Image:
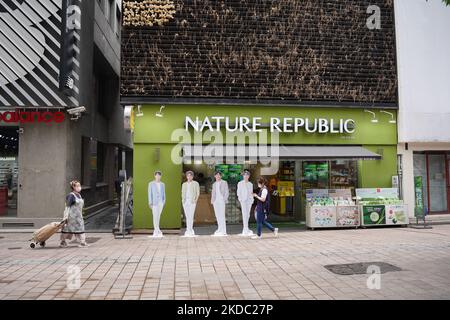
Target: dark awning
{"x":327,"y":152}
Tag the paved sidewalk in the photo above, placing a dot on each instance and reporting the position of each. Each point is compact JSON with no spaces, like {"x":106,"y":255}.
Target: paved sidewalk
{"x":288,"y":267}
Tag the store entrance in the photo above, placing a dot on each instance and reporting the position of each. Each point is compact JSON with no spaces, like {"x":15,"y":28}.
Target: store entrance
{"x":9,"y":160}
{"x":294,"y":178}
{"x":287,"y":188}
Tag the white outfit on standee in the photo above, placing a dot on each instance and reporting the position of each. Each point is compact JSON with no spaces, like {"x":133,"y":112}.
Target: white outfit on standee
{"x":245,"y":196}
{"x":156,"y":196}
{"x":157,"y":210}
{"x":219,"y":198}
{"x":190,"y":202}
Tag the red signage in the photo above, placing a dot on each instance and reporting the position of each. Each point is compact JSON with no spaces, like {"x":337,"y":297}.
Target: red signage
{"x":32,"y":117}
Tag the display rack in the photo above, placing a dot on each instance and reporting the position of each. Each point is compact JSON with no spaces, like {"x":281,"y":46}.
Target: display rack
{"x":334,"y":209}
{"x":381,"y":207}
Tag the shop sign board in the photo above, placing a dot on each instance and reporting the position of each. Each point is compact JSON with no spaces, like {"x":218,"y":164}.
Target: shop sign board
{"x":280,"y":125}
{"x":419,"y":211}
{"x":322,"y":216}
{"x":347,"y":216}
{"x":396,"y":214}
{"x":377,"y":193}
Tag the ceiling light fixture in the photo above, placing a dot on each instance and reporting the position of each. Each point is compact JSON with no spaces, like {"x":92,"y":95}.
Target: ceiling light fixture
{"x":160,"y":113}
{"x":139,"y":111}
{"x":392,"y":116}
{"x":374,"y":120}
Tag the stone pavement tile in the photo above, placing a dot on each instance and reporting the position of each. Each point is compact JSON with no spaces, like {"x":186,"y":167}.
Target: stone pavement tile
{"x":209,"y":268}
{"x":304,"y":296}
{"x":323,"y":297}
{"x":45,"y":297}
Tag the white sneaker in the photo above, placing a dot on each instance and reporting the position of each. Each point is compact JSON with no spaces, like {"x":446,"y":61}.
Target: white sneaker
{"x":246,"y":233}
{"x":256,"y":237}
{"x":221,"y":235}
{"x":83,"y":245}
{"x":156,"y":235}
{"x":189,"y":235}
{"x":275,"y":232}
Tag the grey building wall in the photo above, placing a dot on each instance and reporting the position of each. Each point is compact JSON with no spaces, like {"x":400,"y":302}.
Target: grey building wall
{"x":50,"y":156}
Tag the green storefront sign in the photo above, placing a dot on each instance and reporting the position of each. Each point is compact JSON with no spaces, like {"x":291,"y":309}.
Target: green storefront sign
{"x":419,"y":210}
{"x":157,"y":138}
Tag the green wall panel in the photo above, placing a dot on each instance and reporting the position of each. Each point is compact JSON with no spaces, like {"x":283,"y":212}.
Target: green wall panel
{"x":378,"y":173}
{"x":153,"y":132}
{"x":145,"y":164}
{"x":153,"y":129}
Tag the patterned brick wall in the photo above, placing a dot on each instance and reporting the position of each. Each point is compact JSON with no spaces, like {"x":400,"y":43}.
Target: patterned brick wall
{"x":294,"y":51}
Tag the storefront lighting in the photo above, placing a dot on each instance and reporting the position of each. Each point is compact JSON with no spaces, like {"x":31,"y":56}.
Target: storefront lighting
{"x":139,"y":112}
{"x":392,"y":116}
{"x":374,"y":120}
{"x":160,"y":113}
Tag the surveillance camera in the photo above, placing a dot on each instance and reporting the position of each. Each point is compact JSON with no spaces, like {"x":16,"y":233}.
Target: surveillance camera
{"x":77,"y":110}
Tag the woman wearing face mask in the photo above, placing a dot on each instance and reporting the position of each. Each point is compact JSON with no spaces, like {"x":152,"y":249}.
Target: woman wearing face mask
{"x":75,"y":222}
{"x":262,"y":209}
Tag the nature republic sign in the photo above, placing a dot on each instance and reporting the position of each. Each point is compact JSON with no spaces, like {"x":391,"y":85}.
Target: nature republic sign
{"x":279,"y":125}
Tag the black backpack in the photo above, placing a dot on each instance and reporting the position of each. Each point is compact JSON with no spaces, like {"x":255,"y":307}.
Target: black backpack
{"x":266,"y":204}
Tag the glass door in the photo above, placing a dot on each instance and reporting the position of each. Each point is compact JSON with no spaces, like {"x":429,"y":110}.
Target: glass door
{"x":448,"y":182}
{"x":9,"y":169}
{"x":437,"y":172}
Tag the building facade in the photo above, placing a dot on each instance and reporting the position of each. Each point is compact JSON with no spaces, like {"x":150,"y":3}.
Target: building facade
{"x":424,"y":116}
{"x":55,"y":57}
{"x":312,"y":65}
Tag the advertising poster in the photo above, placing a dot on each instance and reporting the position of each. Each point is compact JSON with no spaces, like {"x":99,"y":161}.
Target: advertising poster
{"x":223,"y":168}
{"x":340,"y":193}
{"x":374,"y":215}
{"x":322,"y":174}
{"x":314,"y":193}
{"x":396,"y":214}
{"x":234,"y":172}
{"x":285,"y":188}
{"x":310,"y":172}
{"x":418,"y":190}
{"x":347,"y":216}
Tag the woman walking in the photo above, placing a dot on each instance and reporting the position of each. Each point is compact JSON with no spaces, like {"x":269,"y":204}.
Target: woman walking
{"x":74,"y":216}
{"x":262,"y":209}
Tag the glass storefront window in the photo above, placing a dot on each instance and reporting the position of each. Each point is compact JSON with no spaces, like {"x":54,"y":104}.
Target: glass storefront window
{"x":9,"y":152}
{"x":286,"y":188}
{"x":438,"y":185}
{"x":432,"y":167}
{"x":343,"y":174}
